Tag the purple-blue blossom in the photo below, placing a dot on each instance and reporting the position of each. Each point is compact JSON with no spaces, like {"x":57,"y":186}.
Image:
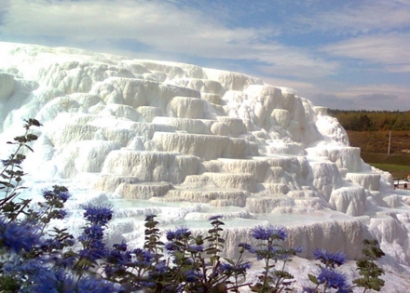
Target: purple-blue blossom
{"x":331,"y":278}
{"x":269,"y":232}
{"x":119,"y":257}
{"x":47,"y":281}
{"x":91,"y":239}
{"x":141,"y":257}
{"x":161,"y":267}
{"x":18,"y":236}
{"x":192,"y":276}
{"x":94,"y":232}
{"x":51,"y":244}
{"x":178,"y":234}
{"x":93,"y":252}
{"x":195,"y":248}
{"x":171,"y":246}
{"x":60,"y":214}
{"x":121,"y":246}
{"x":246,"y":246}
{"x":241,"y":268}
{"x":96,"y":286}
{"x":64,"y":196}
{"x":98,"y":215}
{"x":147,"y":284}
{"x":330,"y":258}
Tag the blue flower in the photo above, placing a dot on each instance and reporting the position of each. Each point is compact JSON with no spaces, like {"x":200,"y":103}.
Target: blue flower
{"x":43,"y":279}
{"x":344,"y":289}
{"x":18,"y":236}
{"x":246,"y":246}
{"x":171,"y":246}
{"x":91,"y":239}
{"x":269,"y":232}
{"x":245,"y":266}
{"x":159,"y":270}
{"x":59,"y":192}
{"x":143,"y":258}
{"x":86,"y":285}
{"x":241,"y":268}
{"x":64,"y":196}
{"x":330,"y":258}
{"x":195,"y":248}
{"x":331,"y":278}
{"x":94,"y":232}
{"x":98,"y":215}
{"x":179,"y":234}
{"x":226,"y":267}
{"x":60,"y":214}
{"x":48,"y":281}
{"x":121,"y":246}
{"x":94,"y":252}
{"x":192,"y":276}
{"x":110,"y":271}
{"x":119,"y":257}
{"x":170,"y":235}
{"x":161,"y":267}
{"x":48,"y":194}
{"x":65,"y":261}
{"x":147,"y":284}
{"x":51,"y":244}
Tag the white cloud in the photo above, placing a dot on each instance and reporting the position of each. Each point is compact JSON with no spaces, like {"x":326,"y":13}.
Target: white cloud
{"x":333,"y":102}
{"x":160,"y":25}
{"x":357,"y":17}
{"x":374,"y":102}
{"x":299,"y":87}
{"x":302,"y":68}
{"x":370,"y":97}
{"x":387,"y":89}
{"x":399,"y":68}
{"x":387,"y":49}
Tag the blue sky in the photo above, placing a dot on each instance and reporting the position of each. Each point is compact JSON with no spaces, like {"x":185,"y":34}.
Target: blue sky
{"x":350,"y":54}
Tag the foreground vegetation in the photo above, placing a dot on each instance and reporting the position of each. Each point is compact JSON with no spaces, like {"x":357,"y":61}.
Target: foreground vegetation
{"x":38,"y":258}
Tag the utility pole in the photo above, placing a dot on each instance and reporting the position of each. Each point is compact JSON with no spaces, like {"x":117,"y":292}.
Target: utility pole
{"x":388,"y":150}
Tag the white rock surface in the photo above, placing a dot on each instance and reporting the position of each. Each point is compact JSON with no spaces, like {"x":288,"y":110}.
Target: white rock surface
{"x":186,"y":143}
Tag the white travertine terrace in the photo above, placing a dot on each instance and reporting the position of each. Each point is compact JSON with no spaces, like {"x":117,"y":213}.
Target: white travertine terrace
{"x":186,"y":142}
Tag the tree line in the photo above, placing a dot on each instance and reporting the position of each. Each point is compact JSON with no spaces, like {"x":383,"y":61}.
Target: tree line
{"x":372,"y":120}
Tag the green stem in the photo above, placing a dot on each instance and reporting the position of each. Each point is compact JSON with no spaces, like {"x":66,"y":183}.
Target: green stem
{"x":279,"y":279}
{"x":265,"y":278}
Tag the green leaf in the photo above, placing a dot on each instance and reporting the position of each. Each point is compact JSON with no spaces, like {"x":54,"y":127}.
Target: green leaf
{"x":229,"y":261}
{"x":29,"y":148}
{"x":31,"y":137}
{"x":313,"y":279}
{"x":7,"y":184}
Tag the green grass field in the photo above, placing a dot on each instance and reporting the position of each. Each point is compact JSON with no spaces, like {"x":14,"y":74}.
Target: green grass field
{"x":374,"y":146}
{"x":397,"y":165}
{"x":398,"y":171}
